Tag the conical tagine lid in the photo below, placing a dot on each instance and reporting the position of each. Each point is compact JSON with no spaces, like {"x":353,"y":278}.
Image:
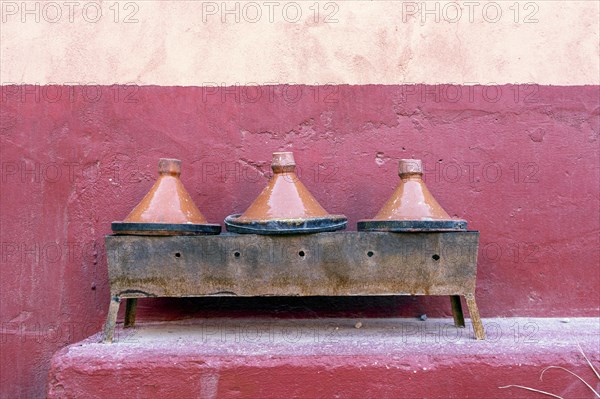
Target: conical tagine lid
{"x":285,"y":206}
{"x":167,"y":209}
{"x":412,"y":207}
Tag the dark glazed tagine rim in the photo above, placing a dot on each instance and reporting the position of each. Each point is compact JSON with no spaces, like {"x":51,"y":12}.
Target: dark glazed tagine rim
{"x":285,"y":226}
{"x":398,"y":226}
{"x":164,"y":229}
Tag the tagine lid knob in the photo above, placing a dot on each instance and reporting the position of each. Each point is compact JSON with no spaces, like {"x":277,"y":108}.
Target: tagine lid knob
{"x":410,"y":166}
{"x":169,"y":166}
{"x":283,"y":162}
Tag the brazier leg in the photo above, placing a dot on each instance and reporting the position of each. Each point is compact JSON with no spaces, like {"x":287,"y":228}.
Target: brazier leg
{"x":475,"y":318}
{"x":457,"y":313}
{"x":130,"y":307}
{"x":111,"y":319}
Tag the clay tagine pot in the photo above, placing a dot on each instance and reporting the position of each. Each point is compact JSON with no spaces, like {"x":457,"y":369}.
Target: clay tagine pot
{"x":285,"y":206}
{"x":412,"y":207}
{"x":167,"y":209}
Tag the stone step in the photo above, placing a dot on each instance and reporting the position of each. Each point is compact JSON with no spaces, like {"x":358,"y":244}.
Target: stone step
{"x":331,"y":358}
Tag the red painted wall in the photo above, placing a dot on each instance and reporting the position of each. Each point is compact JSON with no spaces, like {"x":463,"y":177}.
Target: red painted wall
{"x":520,"y":163}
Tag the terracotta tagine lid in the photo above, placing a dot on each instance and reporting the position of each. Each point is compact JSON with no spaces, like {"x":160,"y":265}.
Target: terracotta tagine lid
{"x":285,"y":206}
{"x":412,"y":207}
{"x":167,"y":209}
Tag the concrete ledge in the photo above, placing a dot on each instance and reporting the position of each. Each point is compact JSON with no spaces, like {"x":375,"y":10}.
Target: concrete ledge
{"x":330,"y":358}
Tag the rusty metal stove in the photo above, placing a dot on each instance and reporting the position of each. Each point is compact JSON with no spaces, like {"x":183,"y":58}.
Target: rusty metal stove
{"x":321,"y":264}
